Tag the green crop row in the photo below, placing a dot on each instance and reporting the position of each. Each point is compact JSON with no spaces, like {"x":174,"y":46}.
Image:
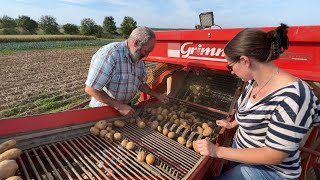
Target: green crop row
{"x":16,"y":46}
{"x":41,"y":38}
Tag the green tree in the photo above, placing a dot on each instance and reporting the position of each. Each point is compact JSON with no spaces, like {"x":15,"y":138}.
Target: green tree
{"x":28,"y":24}
{"x":88,"y":27}
{"x":99,"y":31}
{"x":49,"y":25}
{"x":70,"y":29}
{"x":7,"y":22}
{"x":109,"y":25}
{"x":127,"y":26}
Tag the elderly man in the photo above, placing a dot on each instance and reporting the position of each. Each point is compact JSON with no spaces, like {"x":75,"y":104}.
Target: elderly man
{"x":117,"y":72}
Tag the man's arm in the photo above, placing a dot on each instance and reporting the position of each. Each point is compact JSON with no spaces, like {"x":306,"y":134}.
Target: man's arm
{"x":146,"y":89}
{"x":103,"y":97}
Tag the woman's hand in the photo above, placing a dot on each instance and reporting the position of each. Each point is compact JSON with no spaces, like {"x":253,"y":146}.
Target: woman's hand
{"x":206,"y":148}
{"x":224,"y":123}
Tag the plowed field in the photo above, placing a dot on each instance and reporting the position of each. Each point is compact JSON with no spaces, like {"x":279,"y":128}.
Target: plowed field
{"x":34,"y":82}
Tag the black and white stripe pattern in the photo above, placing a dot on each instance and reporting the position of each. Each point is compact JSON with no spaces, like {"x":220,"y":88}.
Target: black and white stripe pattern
{"x":279,"y":121}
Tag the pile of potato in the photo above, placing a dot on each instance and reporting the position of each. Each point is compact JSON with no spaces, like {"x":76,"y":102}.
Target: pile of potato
{"x":181,"y":116}
{"x":150,"y":158}
{"x":105,"y":130}
{"x":8,"y":156}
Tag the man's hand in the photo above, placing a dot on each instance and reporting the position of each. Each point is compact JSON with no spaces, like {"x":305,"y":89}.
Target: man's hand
{"x":125,"y":110}
{"x":163,"y":98}
{"x":206,"y":148}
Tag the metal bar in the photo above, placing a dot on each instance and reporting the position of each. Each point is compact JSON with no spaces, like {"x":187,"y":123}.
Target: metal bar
{"x":160,"y":145}
{"x":68,"y":163}
{"x":103,"y":153}
{"x":76,"y":161}
{"x":86,"y":157}
{"x":159,"y":148}
{"x":60,"y":164}
{"x":40,"y":162}
{"x":122,"y":156}
{"x":150,"y":167}
{"x":201,"y":106}
{"x":188,"y":151}
{"x":32,"y":165}
{"x":103,"y":159}
{"x":51,"y":164}
{"x":310,"y":151}
{"x":24,"y":168}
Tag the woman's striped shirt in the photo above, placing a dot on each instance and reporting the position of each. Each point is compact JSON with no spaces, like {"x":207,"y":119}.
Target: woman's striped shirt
{"x":279,"y":121}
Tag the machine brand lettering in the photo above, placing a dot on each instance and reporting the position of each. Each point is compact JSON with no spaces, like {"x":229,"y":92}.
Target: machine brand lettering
{"x":188,"y":49}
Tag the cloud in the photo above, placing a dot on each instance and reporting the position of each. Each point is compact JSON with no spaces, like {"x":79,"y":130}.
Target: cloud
{"x":82,"y":2}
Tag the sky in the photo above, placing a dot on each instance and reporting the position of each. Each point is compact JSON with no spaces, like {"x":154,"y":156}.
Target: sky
{"x":170,"y":13}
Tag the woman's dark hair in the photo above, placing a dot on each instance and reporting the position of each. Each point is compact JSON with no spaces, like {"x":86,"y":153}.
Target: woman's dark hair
{"x":260,"y":45}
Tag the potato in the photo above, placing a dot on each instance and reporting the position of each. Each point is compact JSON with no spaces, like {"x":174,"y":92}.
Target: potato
{"x":14,"y":178}
{"x":204,"y":125}
{"x":141,"y":156}
{"x":182,"y":140}
{"x":117,"y":136}
{"x":141,"y":124}
{"x":124,"y":143}
{"x":94,"y":131}
{"x":171,"y":135}
{"x":109,"y":128}
{"x":130,"y":145}
{"x":149,"y":110}
{"x":119,"y":123}
{"x":150,"y":159}
{"x":165,"y":131}
{"x":207,"y":131}
{"x":160,"y":117}
{"x":7,"y":145}
{"x":189,"y":144}
{"x":159,"y":128}
{"x":101,"y":124}
{"x":210,"y":124}
{"x":109,"y":124}
{"x":109,"y":137}
{"x":181,"y":115}
{"x":10,"y":154}
{"x":200,"y":130}
{"x":153,"y":111}
{"x":138,"y":119}
{"x":195,"y":147}
{"x":174,"y":116}
{"x":165,"y":112}
{"x":8,"y":168}
{"x":132,"y":120}
{"x":159,"y":110}
{"x":103,"y":133}
{"x":154,"y":124}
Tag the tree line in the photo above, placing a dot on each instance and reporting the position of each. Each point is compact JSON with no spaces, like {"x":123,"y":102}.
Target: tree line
{"x":47,"y":24}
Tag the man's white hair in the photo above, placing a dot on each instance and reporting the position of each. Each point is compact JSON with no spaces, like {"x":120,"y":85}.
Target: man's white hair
{"x":143,"y":34}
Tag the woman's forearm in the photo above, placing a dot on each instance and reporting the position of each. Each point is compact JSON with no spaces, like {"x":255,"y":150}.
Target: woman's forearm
{"x":258,"y":156}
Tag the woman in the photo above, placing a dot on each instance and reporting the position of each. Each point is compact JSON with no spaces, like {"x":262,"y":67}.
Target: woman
{"x":274,"y":112}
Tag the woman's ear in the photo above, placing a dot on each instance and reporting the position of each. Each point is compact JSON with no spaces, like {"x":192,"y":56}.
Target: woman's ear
{"x":246,"y":61}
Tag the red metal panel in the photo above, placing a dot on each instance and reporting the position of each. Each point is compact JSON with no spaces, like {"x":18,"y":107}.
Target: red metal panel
{"x":54,"y":120}
{"x":204,"y":48}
